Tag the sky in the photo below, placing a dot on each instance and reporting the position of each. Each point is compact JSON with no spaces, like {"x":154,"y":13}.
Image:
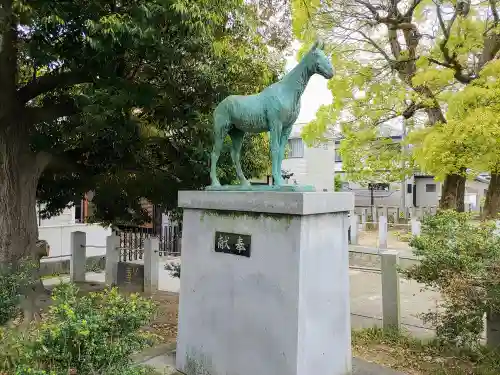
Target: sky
{"x":315,"y":95}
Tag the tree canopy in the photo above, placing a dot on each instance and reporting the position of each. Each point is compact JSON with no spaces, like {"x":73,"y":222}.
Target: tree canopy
{"x":397,"y":61}
{"x":116,"y":97}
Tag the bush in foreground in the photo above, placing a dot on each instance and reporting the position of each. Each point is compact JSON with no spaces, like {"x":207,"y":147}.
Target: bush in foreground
{"x":92,"y":334}
{"x":461,"y":259}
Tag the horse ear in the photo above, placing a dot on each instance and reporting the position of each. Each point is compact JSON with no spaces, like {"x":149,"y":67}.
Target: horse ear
{"x":316,"y":44}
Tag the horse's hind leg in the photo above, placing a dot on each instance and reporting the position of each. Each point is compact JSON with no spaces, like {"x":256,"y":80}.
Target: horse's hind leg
{"x":237,"y":137}
{"x":221,"y":128}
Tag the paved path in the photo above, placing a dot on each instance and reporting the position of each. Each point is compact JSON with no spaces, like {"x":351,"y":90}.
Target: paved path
{"x":366,"y":302}
{"x":165,"y":364}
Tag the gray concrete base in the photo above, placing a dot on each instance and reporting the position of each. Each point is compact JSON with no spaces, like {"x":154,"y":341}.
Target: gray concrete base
{"x":278,"y":304}
{"x":165,"y":363}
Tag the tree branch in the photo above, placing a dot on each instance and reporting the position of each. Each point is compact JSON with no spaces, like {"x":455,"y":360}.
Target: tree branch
{"x":392,"y":19}
{"x":49,"y":82}
{"x":494,"y":11}
{"x":42,"y":161}
{"x":50,"y":112}
{"x":8,"y":57}
{"x":371,"y":42}
{"x":411,"y":110}
{"x":413,"y":6}
{"x":450,"y":61}
{"x":491,"y":41}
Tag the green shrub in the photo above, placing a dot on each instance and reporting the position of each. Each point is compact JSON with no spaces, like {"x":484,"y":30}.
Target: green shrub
{"x":462,"y":261}
{"x":92,"y":334}
{"x":13,"y":280}
{"x":174,"y":269}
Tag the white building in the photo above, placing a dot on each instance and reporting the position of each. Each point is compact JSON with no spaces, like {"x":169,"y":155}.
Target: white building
{"x":57,"y":232}
{"x":318,"y":166}
{"x":310,"y":165}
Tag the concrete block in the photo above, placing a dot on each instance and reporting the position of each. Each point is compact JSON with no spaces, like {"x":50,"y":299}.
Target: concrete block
{"x":382,"y":232}
{"x":289,"y":203}
{"x":354,"y":223}
{"x":112,"y":259}
{"x":78,"y":260}
{"x":276,"y":302}
{"x":391,"y":314}
{"x":151,"y":264}
{"x":415,"y":226}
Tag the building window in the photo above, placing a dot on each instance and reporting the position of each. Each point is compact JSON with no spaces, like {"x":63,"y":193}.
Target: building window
{"x":408,"y":188}
{"x":378,"y":186}
{"x":296,"y":148}
{"x":79,"y":212}
{"x":338,"y":158}
{"x":430,"y":188}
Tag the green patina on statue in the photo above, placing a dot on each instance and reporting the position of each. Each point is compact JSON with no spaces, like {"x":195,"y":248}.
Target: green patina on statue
{"x":273,"y":110}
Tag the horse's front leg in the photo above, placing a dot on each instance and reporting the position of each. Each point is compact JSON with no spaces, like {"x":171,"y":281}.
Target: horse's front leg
{"x":275,"y":138}
{"x":285,"y":133}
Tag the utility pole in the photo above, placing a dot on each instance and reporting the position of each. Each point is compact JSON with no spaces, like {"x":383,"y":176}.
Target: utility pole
{"x":403,"y":181}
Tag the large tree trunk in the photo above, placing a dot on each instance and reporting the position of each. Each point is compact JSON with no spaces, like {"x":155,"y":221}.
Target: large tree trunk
{"x":20,"y":170}
{"x":492,"y":203}
{"x":453,"y":193}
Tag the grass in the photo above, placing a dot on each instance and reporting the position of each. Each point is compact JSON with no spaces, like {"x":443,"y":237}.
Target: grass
{"x":401,"y":352}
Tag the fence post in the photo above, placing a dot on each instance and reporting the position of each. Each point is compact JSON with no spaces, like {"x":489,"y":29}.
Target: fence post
{"x":375,"y":214}
{"x":415,"y":226}
{"x":151,"y":264}
{"x":391,"y":315}
{"x":112,"y":259}
{"x":78,"y":260}
{"x":385,"y":211}
{"x":382,"y":232}
{"x":354,"y":228}
{"x":364,"y":215}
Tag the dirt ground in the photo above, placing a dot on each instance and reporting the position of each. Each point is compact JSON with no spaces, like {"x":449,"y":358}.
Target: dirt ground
{"x":370,"y":238}
{"x":165,"y":324}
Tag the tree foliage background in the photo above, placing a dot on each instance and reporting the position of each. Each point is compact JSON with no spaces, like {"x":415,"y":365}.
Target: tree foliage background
{"x":116,"y":97}
{"x":399,"y":61}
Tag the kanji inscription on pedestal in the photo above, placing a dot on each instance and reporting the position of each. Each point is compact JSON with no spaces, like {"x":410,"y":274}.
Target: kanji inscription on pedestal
{"x":233,"y":243}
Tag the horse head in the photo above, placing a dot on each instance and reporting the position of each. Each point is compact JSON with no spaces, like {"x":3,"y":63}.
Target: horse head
{"x":321,"y":64}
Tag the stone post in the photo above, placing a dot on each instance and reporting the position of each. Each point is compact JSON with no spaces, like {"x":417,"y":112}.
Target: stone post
{"x":374,"y":214}
{"x":415,"y":226}
{"x":78,"y":260}
{"x":151,"y":264}
{"x":385,"y":211}
{"x":391,"y":315}
{"x":364,"y":215}
{"x":112,"y":259}
{"x":354,"y":228}
{"x":382,"y":232}
{"x":266,"y":290}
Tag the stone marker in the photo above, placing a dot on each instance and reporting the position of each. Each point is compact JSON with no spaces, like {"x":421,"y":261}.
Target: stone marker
{"x":415,"y":226}
{"x":382,"y":232}
{"x":264,"y":283}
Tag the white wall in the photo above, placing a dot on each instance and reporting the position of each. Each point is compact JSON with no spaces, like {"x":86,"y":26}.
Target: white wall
{"x":66,"y":217}
{"x":59,"y":238}
{"x":314,"y":168}
{"x":424,"y":198}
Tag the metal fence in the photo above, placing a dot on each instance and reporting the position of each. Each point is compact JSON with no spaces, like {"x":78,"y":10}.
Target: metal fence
{"x":132,"y":240}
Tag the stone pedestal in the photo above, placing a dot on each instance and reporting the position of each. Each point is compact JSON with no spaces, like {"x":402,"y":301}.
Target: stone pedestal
{"x":264,"y":283}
